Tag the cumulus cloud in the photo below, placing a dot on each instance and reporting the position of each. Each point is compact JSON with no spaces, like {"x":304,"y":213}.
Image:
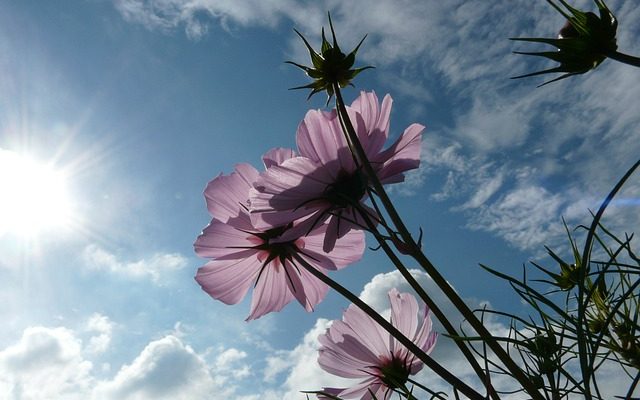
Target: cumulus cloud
{"x":100,"y":327}
{"x":301,"y":366}
{"x":165,"y":369}
{"x":304,"y":373}
{"x":54,"y":363}
{"x":45,"y":363}
{"x":154,"y":268}
{"x":301,"y":362}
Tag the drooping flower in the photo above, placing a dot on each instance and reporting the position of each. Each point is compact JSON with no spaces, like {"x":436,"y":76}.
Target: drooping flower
{"x":243,"y":255}
{"x":324,"y":182}
{"x":358,"y":348}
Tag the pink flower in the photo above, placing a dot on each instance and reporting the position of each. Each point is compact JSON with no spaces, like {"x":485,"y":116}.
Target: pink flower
{"x":243,"y":255}
{"x":324,"y":183}
{"x":357,"y":347}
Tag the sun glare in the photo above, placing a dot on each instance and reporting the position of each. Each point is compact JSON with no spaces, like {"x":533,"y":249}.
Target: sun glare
{"x":33,"y":196}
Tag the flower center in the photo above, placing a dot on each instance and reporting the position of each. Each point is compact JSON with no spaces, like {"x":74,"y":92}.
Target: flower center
{"x":279,"y":250}
{"x":347,"y":190}
{"x":394,"y":373}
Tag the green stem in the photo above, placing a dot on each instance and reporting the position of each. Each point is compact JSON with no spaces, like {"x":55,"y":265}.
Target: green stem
{"x":624,"y":58}
{"x":417,"y":254}
{"x":439,"y":314}
{"x":417,"y":351}
{"x":586,"y":256}
{"x":412,"y":282}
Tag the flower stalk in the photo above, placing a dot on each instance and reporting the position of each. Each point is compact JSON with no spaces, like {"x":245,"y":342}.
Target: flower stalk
{"x":425,"y":358}
{"x":416,"y":253}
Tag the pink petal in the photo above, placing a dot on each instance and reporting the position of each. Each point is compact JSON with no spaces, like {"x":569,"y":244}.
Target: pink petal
{"x":375,"y":119}
{"x":367,"y":330}
{"x":347,"y":250}
{"x":271,"y":292}
{"x":277,"y":156}
{"x":425,"y":339}
{"x":306,"y":288}
{"x":226,"y":194}
{"x":362,"y":390}
{"x":342,"y":354}
{"x":404,"y":316}
{"x":320,"y":138}
{"x":402,"y":156}
{"x":228,"y":280}
{"x":221,"y":239}
{"x":283,"y":192}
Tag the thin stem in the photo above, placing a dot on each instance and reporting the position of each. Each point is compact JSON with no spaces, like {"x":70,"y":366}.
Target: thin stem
{"x":439,"y":314}
{"x":417,"y":254}
{"x":586,"y":256}
{"x":624,"y":58}
{"x":426,"y":389}
{"x":632,"y":388}
{"x":424,"y":357}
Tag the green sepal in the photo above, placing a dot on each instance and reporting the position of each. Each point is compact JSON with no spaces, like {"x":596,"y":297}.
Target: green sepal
{"x":584,"y":42}
{"x":330,"y":67}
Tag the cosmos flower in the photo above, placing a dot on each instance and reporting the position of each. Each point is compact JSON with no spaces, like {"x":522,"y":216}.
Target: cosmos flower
{"x":358,"y":348}
{"x":323,"y":182}
{"x":243,"y":255}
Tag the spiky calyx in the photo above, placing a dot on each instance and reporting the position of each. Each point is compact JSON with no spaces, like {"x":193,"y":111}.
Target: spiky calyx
{"x":583,"y":43}
{"x":330,"y":66}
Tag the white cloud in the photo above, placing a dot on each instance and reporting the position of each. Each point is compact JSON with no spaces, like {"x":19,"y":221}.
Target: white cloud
{"x":52,"y":363}
{"x":157,"y":267}
{"x":165,"y":369}
{"x":101,"y":328}
{"x":229,"y":362}
{"x":46,"y":363}
{"x":579,"y":133}
{"x":305,"y":374}
{"x":196,"y":15}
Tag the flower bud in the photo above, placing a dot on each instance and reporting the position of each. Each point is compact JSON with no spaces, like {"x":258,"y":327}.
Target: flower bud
{"x":330,"y":66}
{"x":583,"y":43}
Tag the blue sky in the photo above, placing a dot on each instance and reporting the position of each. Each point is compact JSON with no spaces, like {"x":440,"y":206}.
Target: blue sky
{"x":139,"y":103}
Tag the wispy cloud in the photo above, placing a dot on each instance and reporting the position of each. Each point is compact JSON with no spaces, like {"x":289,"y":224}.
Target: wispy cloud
{"x":575,"y":138}
{"x":156,"y":268}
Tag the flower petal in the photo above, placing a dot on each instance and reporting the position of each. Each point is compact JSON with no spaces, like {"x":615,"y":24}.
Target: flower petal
{"x":320,"y":138}
{"x":271,"y":292}
{"x":220,"y":239}
{"x":277,"y":156}
{"x":404,"y":316}
{"x":226,"y":194}
{"x":402,"y":156}
{"x":285,"y":192}
{"x":228,"y":280}
{"x":347,"y":249}
{"x":375,"y":120}
{"x":306,"y":288}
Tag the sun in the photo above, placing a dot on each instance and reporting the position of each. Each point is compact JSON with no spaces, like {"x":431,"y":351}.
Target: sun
{"x":33,"y":196}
